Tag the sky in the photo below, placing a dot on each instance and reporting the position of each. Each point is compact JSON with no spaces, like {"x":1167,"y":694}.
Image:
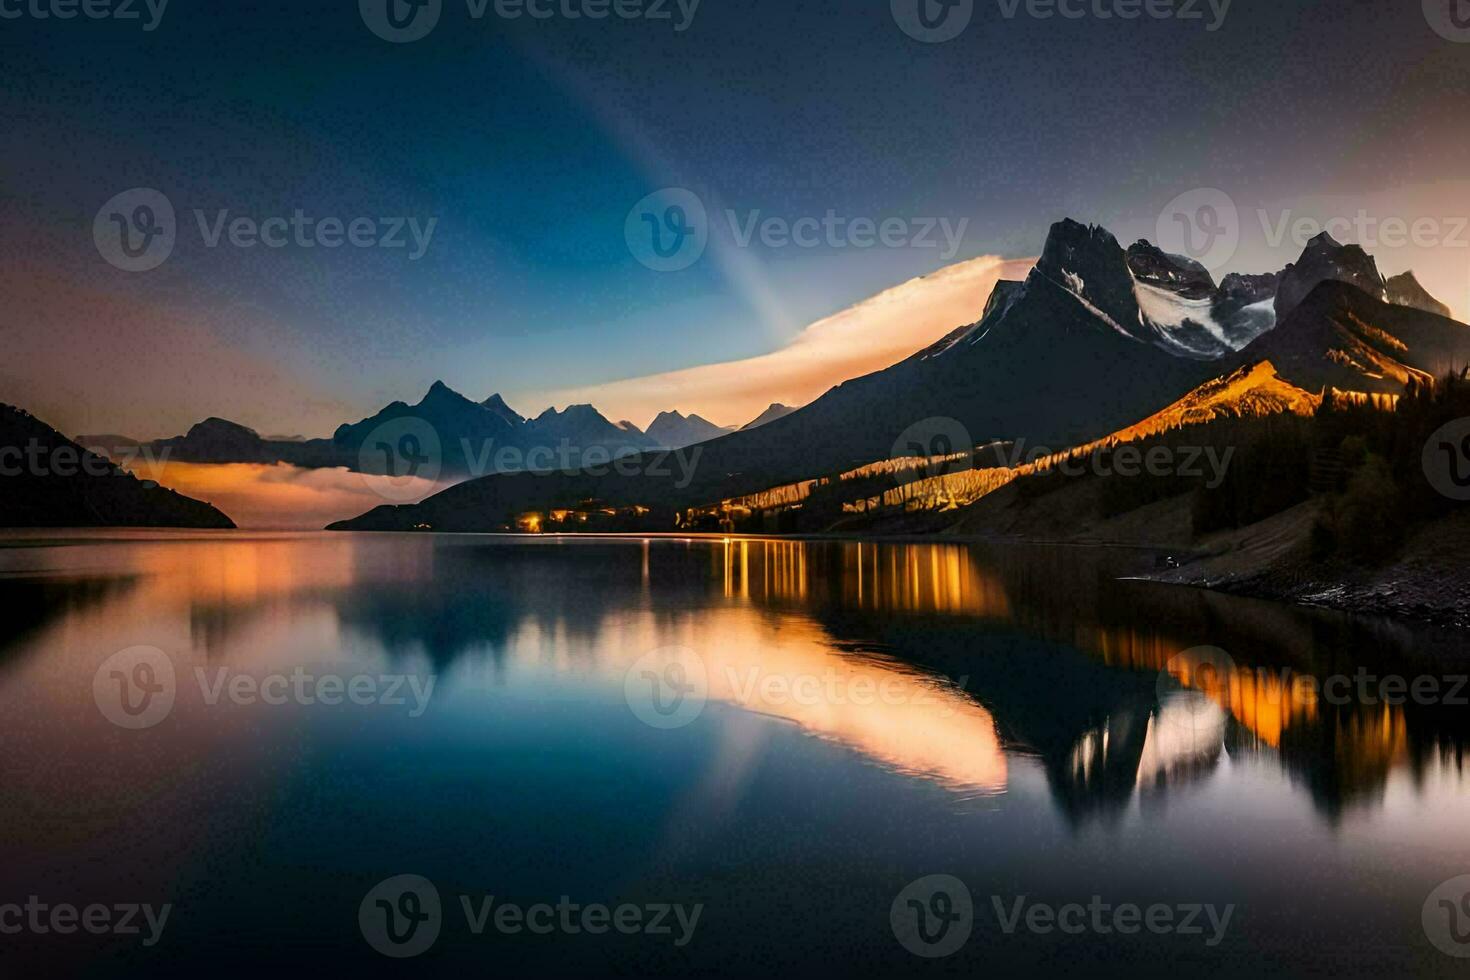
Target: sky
{"x":499,"y":172}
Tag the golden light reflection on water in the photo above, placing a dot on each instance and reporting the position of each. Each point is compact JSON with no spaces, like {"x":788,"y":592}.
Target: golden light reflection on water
{"x":919,"y":578}
{"x":784,"y":667}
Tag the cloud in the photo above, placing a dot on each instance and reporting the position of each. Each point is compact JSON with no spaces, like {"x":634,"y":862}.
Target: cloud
{"x":282,"y":497}
{"x":867,"y":337}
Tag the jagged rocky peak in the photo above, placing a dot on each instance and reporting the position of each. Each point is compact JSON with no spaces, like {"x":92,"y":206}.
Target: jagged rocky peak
{"x":1325,"y":258}
{"x":1240,"y":289}
{"x":1405,"y":290}
{"x":440,"y":393}
{"x":497,"y":404}
{"x":1005,"y":290}
{"x":1176,"y":273}
{"x":1087,"y":261}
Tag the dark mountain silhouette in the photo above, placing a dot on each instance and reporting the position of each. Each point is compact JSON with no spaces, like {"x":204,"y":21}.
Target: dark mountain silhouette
{"x":1324,"y":258}
{"x":216,"y":440}
{"x":775,"y":411}
{"x":1340,"y":336}
{"x":671,"y":430}
{"x":46,"y":480}
{"x":581,"y":427}
{"x":464,"y":429}
{"x":1404,"y":290}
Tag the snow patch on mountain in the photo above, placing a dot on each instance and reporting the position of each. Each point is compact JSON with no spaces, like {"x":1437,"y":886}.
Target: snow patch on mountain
{"x":1185,"y":326}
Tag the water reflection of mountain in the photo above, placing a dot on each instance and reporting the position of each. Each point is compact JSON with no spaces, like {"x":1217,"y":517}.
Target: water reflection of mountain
{"x":34,"y":602}
{"x":474,"y":600}
{"x":1068,"y":657}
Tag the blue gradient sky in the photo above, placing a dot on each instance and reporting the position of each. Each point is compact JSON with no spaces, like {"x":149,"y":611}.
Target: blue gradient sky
{"x":529,"y":141}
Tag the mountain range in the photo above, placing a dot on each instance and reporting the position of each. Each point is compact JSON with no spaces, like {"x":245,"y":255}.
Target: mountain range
{"x":471,"y":437}
{"x":1096,"y":338}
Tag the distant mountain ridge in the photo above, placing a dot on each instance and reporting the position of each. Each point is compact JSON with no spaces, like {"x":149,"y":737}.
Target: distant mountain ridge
{"x":671,"y":430}
{"x":472,"y":437}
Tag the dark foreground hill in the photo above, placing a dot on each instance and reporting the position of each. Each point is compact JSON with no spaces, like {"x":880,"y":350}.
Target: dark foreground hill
{"x":46,"y":480}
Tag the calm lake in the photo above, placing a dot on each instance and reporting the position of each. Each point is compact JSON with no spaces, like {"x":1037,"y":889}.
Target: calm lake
{"x":710,"y":757}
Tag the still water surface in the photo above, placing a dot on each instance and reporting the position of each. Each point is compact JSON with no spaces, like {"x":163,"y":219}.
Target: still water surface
{"x":786,"y":734}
